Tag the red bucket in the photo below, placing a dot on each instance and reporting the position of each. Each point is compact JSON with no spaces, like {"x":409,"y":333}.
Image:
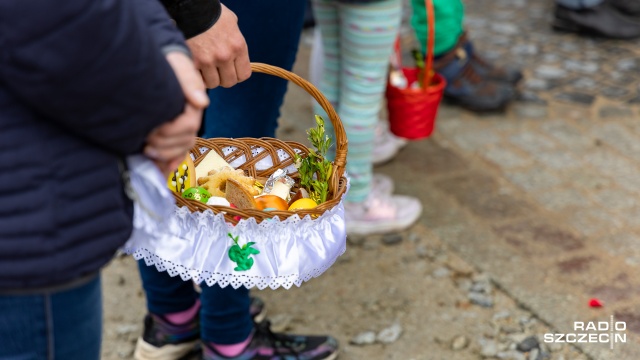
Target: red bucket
{"x":412,"y":109}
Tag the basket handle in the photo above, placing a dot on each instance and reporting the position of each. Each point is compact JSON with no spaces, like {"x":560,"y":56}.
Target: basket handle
{"x":431,"y":39}
{"x":340,"y":160}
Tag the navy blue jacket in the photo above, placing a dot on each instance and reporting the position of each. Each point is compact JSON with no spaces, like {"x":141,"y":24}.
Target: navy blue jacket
{"x":82,"y":83}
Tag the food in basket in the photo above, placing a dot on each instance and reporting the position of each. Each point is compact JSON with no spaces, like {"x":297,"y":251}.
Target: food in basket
{"x":211,"y":161}
{"x":302,"y":204}
{"x":218,"y":201}
{"x":238,"y":195}
{"x":183,"y":177}
{"x":314,"y":169}
{"x":280,"y":184}
{"x":271,"y":202}
{"x":216,"y":181}
{"x":197,"y":193}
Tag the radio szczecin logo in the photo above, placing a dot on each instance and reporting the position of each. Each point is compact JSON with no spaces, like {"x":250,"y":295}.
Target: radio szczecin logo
{"x":603,"y":332}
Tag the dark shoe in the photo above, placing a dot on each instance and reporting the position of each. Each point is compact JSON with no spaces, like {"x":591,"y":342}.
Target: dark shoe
{"x":602,"y":20}
{"x":490,"y":71}
{"x":467,"y":87}
{"x":629,"y":7}
{"x":162,"y":339}
{"x":266,"y":345}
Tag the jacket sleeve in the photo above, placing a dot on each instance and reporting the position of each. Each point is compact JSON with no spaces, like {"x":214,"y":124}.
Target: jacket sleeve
{"x":193,"y":17}
{"x":93,"y":67}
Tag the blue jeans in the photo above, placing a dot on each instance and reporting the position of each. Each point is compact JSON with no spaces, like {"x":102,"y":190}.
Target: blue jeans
{"x":578,"y":4}
{"x":250,"y":109}
{"x":53,"y":325}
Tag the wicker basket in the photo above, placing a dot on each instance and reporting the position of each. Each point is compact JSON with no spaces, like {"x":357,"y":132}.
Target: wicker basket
{"x":251,"y":151}
{"x":195,"y":241}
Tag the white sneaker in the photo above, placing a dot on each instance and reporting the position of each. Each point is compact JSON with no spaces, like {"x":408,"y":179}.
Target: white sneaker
{"x":381,"y":213}
{"x":385,"y":144}
{"x":381,"y":183}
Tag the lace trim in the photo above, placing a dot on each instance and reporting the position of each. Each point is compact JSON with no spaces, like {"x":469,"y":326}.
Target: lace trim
{"x":235,"y":280}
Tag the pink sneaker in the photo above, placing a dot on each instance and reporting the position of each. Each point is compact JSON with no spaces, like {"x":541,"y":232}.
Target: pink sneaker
{"x":385,"y":144}
{"x":381,"y":183}
{"x":381,"y":213}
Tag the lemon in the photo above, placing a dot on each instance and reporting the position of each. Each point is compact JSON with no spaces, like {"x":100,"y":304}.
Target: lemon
{"x":301,"y":204}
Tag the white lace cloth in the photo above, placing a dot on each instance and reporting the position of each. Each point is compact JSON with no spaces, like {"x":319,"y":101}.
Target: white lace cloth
{"x":196,"y":245}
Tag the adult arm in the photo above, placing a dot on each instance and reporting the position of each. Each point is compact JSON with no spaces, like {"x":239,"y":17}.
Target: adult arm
{"x":92,"y":66}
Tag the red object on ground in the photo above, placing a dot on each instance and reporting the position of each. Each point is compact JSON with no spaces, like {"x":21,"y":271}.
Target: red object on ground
{"x":595,"y":303}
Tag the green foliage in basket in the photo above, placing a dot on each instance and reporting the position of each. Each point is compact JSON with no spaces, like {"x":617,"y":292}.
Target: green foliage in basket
{"x":314,"y":169}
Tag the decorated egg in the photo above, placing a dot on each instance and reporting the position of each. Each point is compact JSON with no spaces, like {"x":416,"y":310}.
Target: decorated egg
{"x":302,"y":204}
{"x":183,"y":177}
{"x":271,"y":202}
{"x":197,"y":193}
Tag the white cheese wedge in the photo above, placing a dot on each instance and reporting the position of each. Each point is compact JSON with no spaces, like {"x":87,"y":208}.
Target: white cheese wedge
{"x":211,"y":161}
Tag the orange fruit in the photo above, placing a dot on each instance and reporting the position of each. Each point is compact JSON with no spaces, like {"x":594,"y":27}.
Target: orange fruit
{"x":271,"y":202}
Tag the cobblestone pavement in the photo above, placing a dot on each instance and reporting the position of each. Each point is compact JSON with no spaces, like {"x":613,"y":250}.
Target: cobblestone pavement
{"x":527,"y":216}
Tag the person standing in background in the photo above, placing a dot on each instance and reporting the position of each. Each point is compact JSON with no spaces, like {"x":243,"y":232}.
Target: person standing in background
{"x":357,"y":39}
{"x":472,"y":82}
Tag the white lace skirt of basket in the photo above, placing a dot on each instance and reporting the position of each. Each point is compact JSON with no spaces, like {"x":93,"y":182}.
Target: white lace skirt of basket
{"x":195,"y":246}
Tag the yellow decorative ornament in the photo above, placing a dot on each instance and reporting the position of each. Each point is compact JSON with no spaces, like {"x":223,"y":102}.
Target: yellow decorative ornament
{"x":184,"y":177}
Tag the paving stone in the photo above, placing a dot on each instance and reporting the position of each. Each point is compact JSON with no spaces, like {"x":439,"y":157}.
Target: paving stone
{"x":504,"y":28}
{"x":550,"y":72}
{"x":562,"y":199}
{"x":476,"y":140}
{"x":583,"y":67}
{"x":610,"y":112}
{"x":584,"y":83}
{"x":507,"y":157}
{"x":610,"y":163}
{"x":531,"y":231}
{"x":625,"y":244}
{"x":614,"y":92}
{"x":588,"y":178}
{"x":576,"y":97}
{"x":568,"y":135}
{"x":530,"y":97}
{"x":619,"y":137}
{"x":531,"y":111}
{"x":593,"y":221}
{"x":533,"y":179}
{"x":537,"y":84}
{"x":631,"y":317}
{"x":532,"y":142}
{"x":558,"y":159}
{"x":616,"y":199}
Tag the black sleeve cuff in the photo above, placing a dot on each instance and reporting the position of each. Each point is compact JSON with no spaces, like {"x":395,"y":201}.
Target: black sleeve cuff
{"x":193,"y":17}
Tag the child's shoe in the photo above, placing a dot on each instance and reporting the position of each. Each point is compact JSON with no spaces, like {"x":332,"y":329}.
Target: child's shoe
{"x":163,"y":340}
{"x":381,"y":213}
{"x":267,"y":345}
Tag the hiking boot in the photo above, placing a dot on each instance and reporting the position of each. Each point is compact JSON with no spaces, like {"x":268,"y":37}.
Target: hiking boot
{"x":603,"y":20}
{"x":484,"y":68}
{"x":467,"y":87}
{"x":163,"y":340}
{"x":267,"y":345}
{"x":385,"y":144}
{"x":381,"y":213}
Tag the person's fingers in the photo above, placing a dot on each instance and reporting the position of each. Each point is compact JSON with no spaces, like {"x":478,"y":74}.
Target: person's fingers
{"x":161,"y":142}
{"x":211,"y":77}
{"x":189,"y":78}
{"x":228,"y":76}
{"x":187,"y":123}
{"x":243,"y":68}
{"x":169,"y":153}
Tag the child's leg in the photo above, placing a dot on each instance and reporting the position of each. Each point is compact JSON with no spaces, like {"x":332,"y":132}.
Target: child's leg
{"x":367,"y":35}
{"x":326,"y":15}
{"x":166,"y":294}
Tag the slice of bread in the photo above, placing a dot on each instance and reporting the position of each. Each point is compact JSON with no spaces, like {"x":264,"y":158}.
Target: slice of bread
{"x":236,"y":194}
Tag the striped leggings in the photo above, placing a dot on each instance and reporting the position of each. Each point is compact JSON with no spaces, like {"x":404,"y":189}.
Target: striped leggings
{"x":358,"y":41}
